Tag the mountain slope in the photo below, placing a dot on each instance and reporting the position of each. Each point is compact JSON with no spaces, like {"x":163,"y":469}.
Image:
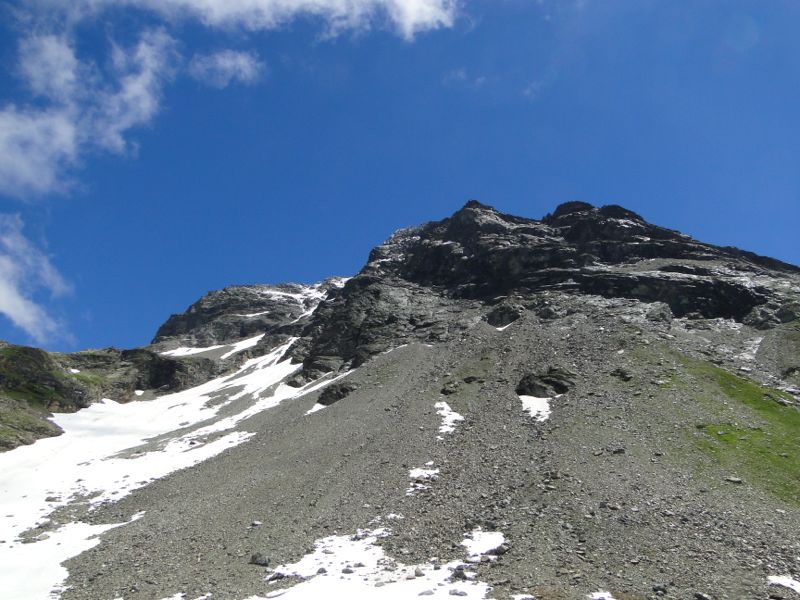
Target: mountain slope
{"x":613,"y":405}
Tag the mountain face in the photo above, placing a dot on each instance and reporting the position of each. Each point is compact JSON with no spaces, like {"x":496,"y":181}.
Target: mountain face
{"x":420,"y":283}
{"x":586,"y":405}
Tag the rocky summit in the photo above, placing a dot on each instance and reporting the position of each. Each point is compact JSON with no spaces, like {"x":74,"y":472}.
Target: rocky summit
{"x":582,"y":406}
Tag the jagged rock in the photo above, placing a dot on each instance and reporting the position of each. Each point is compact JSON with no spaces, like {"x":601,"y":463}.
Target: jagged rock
{"x":242,"y":311}
{"x":421,"y":277}
{"x":660,"y":312}
{"x":260,"y":559}
{"x":503,"y":315}
{"x":550,"y":383}
{"x":335,"y":392}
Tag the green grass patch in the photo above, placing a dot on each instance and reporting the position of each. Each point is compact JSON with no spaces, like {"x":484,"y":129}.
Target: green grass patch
{"x":88,"y":378}
{"x":757,"y":438}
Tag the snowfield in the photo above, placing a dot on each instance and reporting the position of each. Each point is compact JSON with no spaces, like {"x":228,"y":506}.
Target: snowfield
{"x":109,"y":450}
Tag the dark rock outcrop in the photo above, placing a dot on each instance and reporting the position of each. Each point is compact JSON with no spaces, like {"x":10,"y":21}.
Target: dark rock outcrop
{"x":333,"y":393}
{"x":549,"y":383}
{"x":480,"y":258}
{"x":241,"y":311}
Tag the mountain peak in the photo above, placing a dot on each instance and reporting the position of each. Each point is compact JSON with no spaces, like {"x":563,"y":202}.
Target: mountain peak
{"x":472,"y":203}
{"x":567,"y":208}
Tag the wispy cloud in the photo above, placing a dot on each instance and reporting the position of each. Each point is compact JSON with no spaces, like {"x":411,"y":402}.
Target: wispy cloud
{"x":25,"y":270}
{"x":222,"y":68}
{"x":406,"y":17}
{"x":462,"y":77}
{"x":77,"y":109}
{"x":36,"y":148}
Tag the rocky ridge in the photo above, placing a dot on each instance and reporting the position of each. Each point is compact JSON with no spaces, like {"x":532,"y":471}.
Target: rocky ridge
{"x":663,"y":462}
{"x":35,"y":383}
{"x":421,"y":282}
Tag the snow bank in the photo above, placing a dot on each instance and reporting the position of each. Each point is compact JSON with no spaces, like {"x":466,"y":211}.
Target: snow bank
{"x":419,"y":476}
{"x":449,"y":418}
{"x":234,"y":348}
{"x":356,"y":568}
{"x":538,"y":408}
{"x":787,"y":582}
{"x":243,"y":345}
{"x":190,"y":351}
{"x":34,"y":571}
{"x":479,"y":542}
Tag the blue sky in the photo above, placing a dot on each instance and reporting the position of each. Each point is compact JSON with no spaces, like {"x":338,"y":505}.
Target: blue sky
{"x":152,"y":151}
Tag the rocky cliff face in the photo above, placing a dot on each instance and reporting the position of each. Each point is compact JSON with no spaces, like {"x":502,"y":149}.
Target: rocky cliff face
{"x":423,"y":281}
{"x":241,"y":311}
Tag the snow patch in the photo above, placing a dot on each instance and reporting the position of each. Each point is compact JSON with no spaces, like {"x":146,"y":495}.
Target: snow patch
{"x":601,"y":596}
{"x":423,"y":473}
{"x":189,"y":351}
{"x":253,"y":315}
{"x":785,"y":581}
{"x":354,"y":567}
{"x":538,"y":408}
{"x":751,"y":349}
{"x":139,"y":392}
{"x":419,"y":476}
{"x":393,"y":349}
{"x":449,"y":418}
{"x":243,"y":345}
{"x":504,"y":327}
{"x":74,"y":371}
{"x":479,"y":543}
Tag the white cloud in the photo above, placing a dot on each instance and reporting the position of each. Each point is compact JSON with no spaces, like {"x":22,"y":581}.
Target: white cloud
{"x":135,"y":99}
{"x":49,"y":66}
{"x":24,"y":270}
{"x":406,"y":17}
{"x":221,"y":68}
{"x":38,"y":145}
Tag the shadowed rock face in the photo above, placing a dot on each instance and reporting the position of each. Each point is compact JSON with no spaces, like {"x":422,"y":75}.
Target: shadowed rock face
{"x":421,"y":275}
{"x":238,"y":312}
